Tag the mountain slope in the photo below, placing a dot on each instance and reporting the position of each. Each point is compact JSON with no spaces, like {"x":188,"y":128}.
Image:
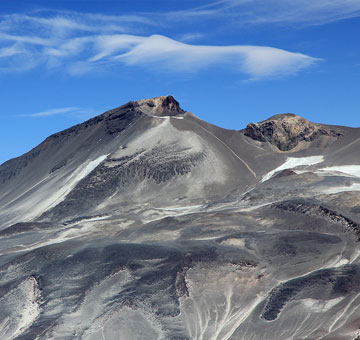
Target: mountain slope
{"x":146,"y":222}
{"x":137,"y":151}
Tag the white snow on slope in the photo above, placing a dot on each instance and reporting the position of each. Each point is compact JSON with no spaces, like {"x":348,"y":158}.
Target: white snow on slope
{"x":65,"y":188}
{"x":350,"y":170}
{"x":91,"y":166}
{"x":51,"y":191}
{"x":293,"y":162}
{"x":164,"y":117}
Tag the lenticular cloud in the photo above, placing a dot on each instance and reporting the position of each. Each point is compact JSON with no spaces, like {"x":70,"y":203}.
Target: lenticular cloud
{"x":256,"y":61}
{"x":76,"y":48}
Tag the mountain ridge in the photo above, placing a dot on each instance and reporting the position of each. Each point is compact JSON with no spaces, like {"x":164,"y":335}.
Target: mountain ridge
{"x":149,"y":222}
{"x":132,"y":105}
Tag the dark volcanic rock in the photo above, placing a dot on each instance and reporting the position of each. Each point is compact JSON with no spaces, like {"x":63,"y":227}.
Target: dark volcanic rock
{"x":332,"y":282}
{"x":315,"y":209}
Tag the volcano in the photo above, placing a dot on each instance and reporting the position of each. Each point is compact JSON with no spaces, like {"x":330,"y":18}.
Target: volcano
{"x":148,"y":223}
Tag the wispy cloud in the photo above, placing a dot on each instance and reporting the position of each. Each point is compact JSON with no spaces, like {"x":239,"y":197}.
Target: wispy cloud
{"x":72,"y":111}
{"x":10,"y":51}
{"x":67,"y":22}
{"x":275,"y":11}
{"x":186,"y":37}
{"x":54,"y":112}
{"x":70,"y":43}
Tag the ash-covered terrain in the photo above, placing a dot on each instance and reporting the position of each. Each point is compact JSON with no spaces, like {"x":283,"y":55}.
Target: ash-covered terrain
{"x":148,"y":223}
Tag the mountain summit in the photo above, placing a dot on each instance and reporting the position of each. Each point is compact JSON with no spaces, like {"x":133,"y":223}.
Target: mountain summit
{"x":161,"y":106}
{"x":148,"y":223}
{"x":287,"y":131}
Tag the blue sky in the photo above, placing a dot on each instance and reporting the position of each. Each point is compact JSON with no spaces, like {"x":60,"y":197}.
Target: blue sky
{"x":230,"y":61}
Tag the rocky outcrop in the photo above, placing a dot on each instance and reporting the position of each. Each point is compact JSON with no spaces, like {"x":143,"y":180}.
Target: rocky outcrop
{"x":312,"y":209}
{"x":160,"y":106}
{"x":333,"y":283}
{"x":286,"y":131}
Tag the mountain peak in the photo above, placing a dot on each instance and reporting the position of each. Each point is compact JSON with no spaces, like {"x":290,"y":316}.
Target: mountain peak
{"x":161,"y":106}
{"x":286,"y":117}
{"x":286,"y":131}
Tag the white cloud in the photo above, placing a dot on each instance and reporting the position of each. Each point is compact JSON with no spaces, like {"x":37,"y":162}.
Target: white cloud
{"x":66,"y":22}
{"x":255,"y":61}
{"x":190,"y":37}
{"x":10,"y":51}
{"x":72,"y":46}
{"x":53,"y":112}
{"x":308,"y":12}
{"x":33,"y":40}
{"x":276,"y":11}
{"x":108,"y":45}
{"x":73,"y":112}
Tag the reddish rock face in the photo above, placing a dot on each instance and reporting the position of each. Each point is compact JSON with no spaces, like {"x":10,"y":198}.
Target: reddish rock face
{"x":286,"y":131}
{"x":284,"y":173}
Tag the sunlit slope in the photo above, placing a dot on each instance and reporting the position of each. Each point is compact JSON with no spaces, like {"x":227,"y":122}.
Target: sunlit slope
{"x":148,"y":223}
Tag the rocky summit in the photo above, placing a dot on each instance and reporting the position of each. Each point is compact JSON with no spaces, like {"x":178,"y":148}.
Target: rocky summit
{"x":287,"y":131}
{"x":148,"y":223}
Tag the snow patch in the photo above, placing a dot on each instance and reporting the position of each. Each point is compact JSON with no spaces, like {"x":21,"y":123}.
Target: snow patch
{"x":165,"y":117}
{"x":350,"y":170}
{"x":293,"y":162}
{"x":91,"y":166}
{"x":63,"y":189}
